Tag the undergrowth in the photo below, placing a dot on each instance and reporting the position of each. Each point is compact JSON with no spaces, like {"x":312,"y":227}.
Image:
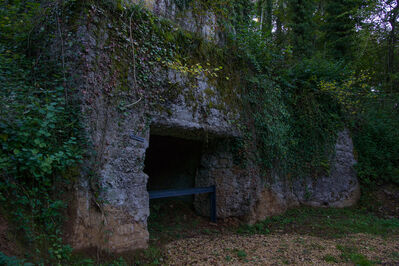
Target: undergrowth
{"x":290,"y":122}
{"x":41,"y":140}
{"x":325,"y":222}
{"x":376,"y":139}
{"x":351,"y":254}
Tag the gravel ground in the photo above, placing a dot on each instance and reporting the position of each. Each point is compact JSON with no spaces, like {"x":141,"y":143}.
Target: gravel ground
{"x":277,"y":249}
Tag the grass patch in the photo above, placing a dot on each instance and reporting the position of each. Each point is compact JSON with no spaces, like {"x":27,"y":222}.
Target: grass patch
{"x":152,"y":255}
{"x":325,"y":222}
{"x":350,"y":254}
{"x":330,"y":259}
{"x":395,"y":255}
{"x":315,"y":246}
{"x":241,"y":254}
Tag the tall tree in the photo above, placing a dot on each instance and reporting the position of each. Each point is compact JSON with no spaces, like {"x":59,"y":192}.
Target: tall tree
{"x":393,"y":16}
{"x":303,"y":26}
{"x":377,"y":36}
{"x":340,"y":25}
{"x":265,"y":13}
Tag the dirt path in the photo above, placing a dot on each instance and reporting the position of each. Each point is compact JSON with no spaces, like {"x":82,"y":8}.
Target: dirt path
{"x":278,"y":249}
{"x":365,"y":235}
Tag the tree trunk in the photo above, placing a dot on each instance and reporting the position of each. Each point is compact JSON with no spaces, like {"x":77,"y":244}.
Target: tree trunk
{"x":391,"y":47}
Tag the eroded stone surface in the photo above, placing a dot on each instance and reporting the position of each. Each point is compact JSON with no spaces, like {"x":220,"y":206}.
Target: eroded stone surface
{"x":236,"y":187}
{"x":195,"y":120}
{"x":104,"y":226}
{"x":268,"y":204}
{"x":205,"y":23}
{"x":112,"y":208}
{"x":112,"y":213}
{"x":339,"y":189}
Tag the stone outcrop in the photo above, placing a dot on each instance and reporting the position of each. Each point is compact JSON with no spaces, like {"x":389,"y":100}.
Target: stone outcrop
{"x":111,"y":204}
{"x":236,"y":187}
{"x":186,"y":119}
{"x":110,"y":211}
{"x":340,"y":188}
{"x":269,"y":203}
{"x":193,"y":19}
{"x":108,"y":227}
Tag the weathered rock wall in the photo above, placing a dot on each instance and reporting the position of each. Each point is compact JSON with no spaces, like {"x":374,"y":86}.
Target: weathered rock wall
{"x":339,"y":188}
{"x":125,"y":90}
{"x":243,"y":192}
{"x":192,"y":18}
{"x":111,"y":204}
{"x":237,"y":187}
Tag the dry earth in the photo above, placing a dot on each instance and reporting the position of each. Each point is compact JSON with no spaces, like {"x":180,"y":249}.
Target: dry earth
{"x":7,"y":245}
{"x":277,"y":249}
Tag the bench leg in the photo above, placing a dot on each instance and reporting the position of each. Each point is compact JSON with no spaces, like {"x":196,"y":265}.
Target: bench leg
{"x":213,"y":205}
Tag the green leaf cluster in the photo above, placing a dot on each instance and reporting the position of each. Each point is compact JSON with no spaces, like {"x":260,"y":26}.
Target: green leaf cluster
{"x":292,"y":123}
{"x":40,"y":134}
{"x":376,"y":139}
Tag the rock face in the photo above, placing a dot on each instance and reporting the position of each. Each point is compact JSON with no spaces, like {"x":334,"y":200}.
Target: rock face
{"x":236,"y":187}
{"x":111,"y":204}
{"x":186,"y":119}
{"x":338,"y":189}
{"x":189,"y":18}
{"x":109,"y":227}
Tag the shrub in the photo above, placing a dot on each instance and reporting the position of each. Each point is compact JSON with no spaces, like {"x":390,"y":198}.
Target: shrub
{"x":377,"y":144}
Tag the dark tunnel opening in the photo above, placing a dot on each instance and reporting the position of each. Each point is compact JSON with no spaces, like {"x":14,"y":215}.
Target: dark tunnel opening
{"x":172,"y":163}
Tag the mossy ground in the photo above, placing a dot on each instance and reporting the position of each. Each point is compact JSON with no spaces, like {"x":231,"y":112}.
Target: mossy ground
{"x":326,"y":223}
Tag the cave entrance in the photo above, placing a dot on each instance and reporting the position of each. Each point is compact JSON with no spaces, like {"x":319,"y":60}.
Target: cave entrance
{"x":172,"y":163}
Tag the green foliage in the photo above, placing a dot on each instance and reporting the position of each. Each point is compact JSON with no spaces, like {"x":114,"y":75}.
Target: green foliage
{"x":349,"y":253}
{"x":265,"y":110}
{"x":376,"y":140}
{"x":316,"y":117}
{"x":12,"y":261}
{"x":39,"y":134}
{"x":330,"y":258}
{"x":241,"y":254}
{"x":39,"y":144}
{"x":154,"y":255}
{"x":351,"y":93}
{"x":293,"y":123}
{"x":15,"y":20}
{"x":303,"y":26}
{"x":339,"y":27}
{"x":293,"y":101}
{"x":240,"y":12}
{"x":182,"y":4}
{"x":118,"y":262}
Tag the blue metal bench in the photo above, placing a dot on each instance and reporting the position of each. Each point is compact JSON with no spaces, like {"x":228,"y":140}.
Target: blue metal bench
{"x":157,"y":194}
